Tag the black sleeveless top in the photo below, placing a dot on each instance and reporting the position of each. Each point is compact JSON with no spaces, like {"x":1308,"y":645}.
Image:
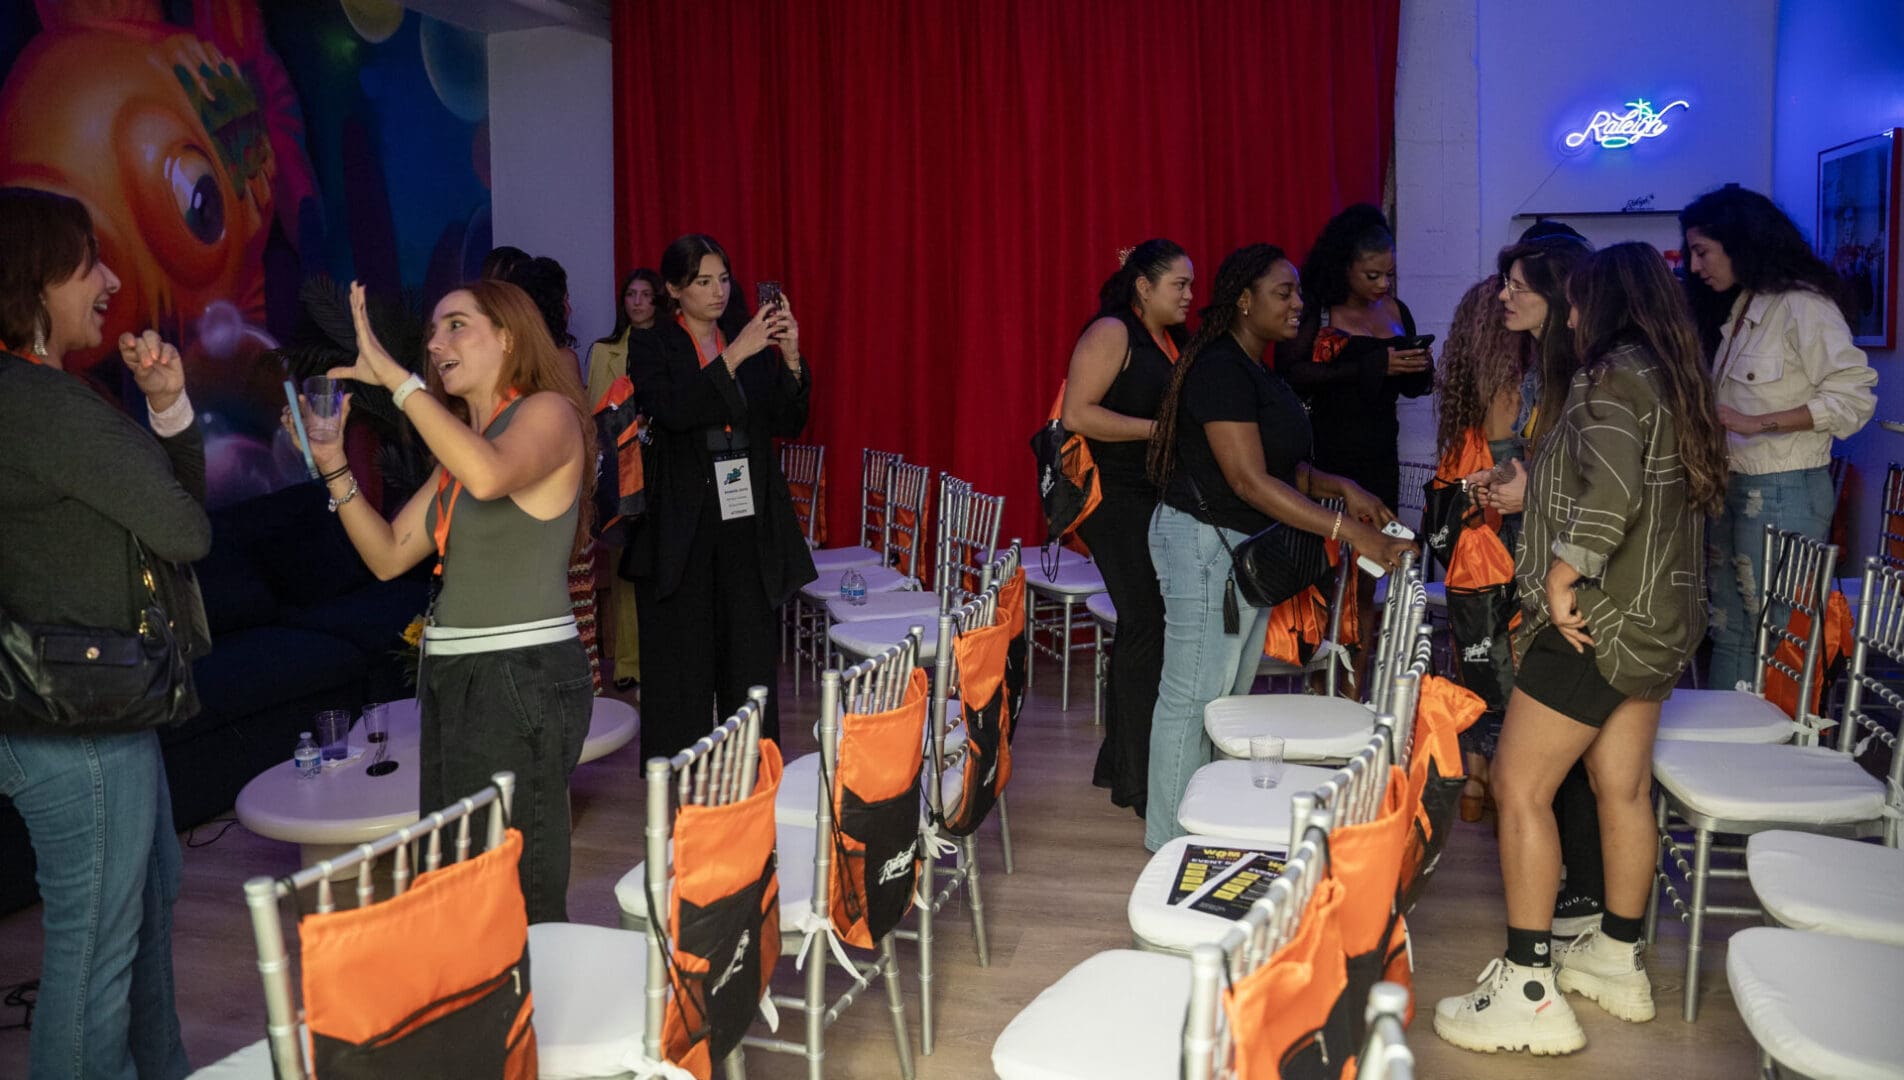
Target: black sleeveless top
{"x":1137,"y":391}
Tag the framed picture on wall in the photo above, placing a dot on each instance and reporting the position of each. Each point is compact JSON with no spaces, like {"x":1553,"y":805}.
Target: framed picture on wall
{"x":1857,"y":229}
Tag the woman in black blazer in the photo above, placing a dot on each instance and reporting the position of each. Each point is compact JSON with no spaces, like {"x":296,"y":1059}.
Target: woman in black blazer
{"x":720,"y":548}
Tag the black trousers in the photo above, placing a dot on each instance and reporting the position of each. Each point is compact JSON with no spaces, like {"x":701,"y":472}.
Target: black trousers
{"x":524,"y":710}
{"x":706,"y":643}
{"x":1577,"y":813}
{"x":1119,"y":536}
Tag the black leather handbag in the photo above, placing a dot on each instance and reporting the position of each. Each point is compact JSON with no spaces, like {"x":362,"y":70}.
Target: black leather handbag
{"x":1269,"y":567}
{"x":83,"y":680}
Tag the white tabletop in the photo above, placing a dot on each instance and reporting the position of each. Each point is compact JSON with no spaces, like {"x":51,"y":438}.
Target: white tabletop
{"x":346,"y":805}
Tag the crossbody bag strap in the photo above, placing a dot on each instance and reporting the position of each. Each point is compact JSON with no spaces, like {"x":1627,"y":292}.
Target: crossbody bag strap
{"x":1232,"y":616}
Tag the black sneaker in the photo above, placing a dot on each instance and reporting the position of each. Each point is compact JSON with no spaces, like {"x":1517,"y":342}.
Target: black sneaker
{"x":1575,"y":915}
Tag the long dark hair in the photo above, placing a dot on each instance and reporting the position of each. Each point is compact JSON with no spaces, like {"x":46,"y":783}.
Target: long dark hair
{"x":622,"y":322}
{"x":1359,"y":230}
{"x":1149,"y":260}
{"x":681,"y":261}
{"x":45,"y":238}
{"x":1546,"y":263}
{"x":1240,"y":272}
{"x":1768,"y":253}
{"x":1624,"y":295}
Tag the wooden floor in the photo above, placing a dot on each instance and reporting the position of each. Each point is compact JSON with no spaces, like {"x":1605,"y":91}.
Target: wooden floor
{"x":1076,"y":857}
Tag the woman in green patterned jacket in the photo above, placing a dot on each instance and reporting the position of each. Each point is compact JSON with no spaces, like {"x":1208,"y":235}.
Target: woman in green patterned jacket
{"x":1628,"y":460}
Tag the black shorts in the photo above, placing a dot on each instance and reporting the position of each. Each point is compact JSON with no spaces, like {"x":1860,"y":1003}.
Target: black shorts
{"x":1566,"y":681}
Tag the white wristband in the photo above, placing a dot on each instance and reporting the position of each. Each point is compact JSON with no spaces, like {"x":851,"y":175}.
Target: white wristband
{"x":402,"y":393}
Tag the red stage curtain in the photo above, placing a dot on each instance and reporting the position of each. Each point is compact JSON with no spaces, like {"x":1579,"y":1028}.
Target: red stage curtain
{"x":943,"y":184}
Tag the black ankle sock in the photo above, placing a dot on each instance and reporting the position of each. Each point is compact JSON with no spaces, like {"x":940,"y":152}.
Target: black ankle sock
{"x":1622,"y":929}
{"x":1529,"y":948}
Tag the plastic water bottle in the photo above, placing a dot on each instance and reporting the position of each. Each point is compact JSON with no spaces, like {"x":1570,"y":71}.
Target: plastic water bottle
{"x":308,"y":759}
{"x":853,"y":587}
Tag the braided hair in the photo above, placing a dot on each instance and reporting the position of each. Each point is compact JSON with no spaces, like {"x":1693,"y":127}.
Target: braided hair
{"x":1240,"y":272}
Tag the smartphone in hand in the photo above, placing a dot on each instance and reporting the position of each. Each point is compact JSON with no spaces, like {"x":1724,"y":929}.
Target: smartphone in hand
{"x":1411,"y":342}
{"x":767,"y":293}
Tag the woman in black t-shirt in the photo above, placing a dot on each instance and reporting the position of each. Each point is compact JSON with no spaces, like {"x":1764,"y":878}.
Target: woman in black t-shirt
{"x":1120,"y":369}
{"x":1231,"y":452}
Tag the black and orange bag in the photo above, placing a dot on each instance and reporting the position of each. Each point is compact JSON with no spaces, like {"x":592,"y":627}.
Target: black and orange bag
{"x":801,"y":490}
{"x":1835,"y":651}
{"x":1483,"y":606}
{"x":723,"y":921}
{"x":1281,"y":1014}
{"x":1435,"y":777}
{"x":1367,"y":859}
{"x":1011,"y":616}
{"x":980,"y":655}
{"x":1068,"y":488}
{"x":449,"y":960}
{"x":876,"y":817}
{"x":621,"y":495}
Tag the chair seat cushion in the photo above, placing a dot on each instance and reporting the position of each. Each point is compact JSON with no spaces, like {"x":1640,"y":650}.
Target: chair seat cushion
{"x":878,"y":579}
{"x":1221,"y":801}
{"x":1075,"y":577}
{"x":1829,"y":884}
{"x":875,"y":636}
{"x":1102,"y":609}
{"x":1820,"y":1005}
{"x":1437,"y":593}
{"x":1162,"y":925}
{"x":834,"y":560}
{"x":1117,"y":1016}
{"x":589,"y":983}
{"x":1722,"y":716}
{"x":922,"y":607}
{"x":1802,"y":785}
{"x":797,"y":802}
{"x":1314,"y":728}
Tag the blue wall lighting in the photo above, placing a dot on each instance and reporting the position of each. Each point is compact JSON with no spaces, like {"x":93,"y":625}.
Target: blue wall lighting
{"x":1611,"y":131}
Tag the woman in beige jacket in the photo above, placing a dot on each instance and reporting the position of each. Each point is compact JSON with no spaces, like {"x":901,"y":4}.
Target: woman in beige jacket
{"x":635,"y":308}
{"x":1787,"y":379}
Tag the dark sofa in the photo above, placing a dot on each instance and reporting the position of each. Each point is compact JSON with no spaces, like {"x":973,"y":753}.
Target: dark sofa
{"x":298,"y":624}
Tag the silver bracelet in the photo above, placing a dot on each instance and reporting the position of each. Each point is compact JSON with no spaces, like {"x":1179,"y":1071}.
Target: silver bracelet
{"x":402,"y":393}
{"x":348,"y":496}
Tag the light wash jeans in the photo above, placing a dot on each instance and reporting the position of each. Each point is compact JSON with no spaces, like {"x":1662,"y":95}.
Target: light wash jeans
{"x":100,"y":816}
{"x":1797,"y":501}
{"x":1201,"y":662}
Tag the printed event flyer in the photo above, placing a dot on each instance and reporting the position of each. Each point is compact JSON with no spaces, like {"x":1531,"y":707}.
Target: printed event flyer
{"x":1224,"y":881}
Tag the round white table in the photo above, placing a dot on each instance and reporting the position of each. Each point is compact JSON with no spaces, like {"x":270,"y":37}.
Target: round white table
{"x":345,"y":806}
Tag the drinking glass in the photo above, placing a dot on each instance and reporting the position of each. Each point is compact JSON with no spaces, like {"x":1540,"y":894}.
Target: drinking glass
{"x":323,"y":408}
{"x":333,"y":734}
{"x":376,"y":723}
{"x":1266,"y":760}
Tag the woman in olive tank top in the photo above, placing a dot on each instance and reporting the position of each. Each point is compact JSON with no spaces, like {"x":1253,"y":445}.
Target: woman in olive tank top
{"x":504,"y":683}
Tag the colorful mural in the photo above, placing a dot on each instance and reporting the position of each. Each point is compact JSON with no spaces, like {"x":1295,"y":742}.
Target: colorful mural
{"x":236,"y":153}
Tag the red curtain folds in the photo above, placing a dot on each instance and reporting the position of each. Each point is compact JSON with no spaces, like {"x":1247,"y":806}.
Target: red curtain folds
{"x":941,"y":185}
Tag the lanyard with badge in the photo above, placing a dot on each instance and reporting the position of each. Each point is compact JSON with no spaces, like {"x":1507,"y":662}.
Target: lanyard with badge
{"x":733,"y":473}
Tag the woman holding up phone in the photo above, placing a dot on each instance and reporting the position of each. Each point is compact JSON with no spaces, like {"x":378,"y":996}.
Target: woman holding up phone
{"x":720,"y":548}
{"x":1355,"y":355}
{"x":505,"y":683}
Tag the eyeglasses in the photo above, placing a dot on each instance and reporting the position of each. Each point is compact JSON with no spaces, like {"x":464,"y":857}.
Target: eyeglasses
{"x":1515,"y":288}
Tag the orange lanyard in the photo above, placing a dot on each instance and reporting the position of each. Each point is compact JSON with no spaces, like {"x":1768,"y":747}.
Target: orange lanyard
{"x":1168,"y":345}
{"x":446,"y":510}
{"x":720,"y":341}
{"x":27,"y":356}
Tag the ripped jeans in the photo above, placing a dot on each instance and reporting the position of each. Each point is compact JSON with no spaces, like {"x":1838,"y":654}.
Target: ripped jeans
{"x":1797,"y":501}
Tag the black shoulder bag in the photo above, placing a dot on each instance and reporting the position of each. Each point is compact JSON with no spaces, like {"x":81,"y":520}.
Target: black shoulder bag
{"x":84,"y":680}
{"x":1270,"y":567}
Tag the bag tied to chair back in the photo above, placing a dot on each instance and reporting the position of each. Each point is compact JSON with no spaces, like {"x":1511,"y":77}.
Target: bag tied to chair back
{"x":980,"y":656}
{"x":1435,"y":776}
{"x":1011,"y":616}
{"x":876,"y":817}
{"x":434,"y":982}
{"x":1280,"y":1013}
{"x":723,"y":921}
{"x":1367,"y":859}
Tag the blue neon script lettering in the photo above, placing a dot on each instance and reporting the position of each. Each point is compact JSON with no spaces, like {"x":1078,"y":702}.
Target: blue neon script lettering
{"x":1612,"y":131}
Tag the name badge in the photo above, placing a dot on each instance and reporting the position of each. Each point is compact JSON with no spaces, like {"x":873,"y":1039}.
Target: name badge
{"x":734,"y":486}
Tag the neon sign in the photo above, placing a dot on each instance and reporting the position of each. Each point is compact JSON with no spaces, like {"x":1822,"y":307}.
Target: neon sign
{"x":1613,"y":131}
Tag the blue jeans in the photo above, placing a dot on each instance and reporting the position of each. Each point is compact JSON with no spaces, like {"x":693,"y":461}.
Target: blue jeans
{"x":1201,"y":662}
{"x":100,"y":816}
{"x":1798,"y":501}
